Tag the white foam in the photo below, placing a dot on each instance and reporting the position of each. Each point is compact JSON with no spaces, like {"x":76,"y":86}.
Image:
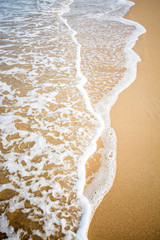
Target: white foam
{"x":30,"y":130}
{"x":86,"y":214}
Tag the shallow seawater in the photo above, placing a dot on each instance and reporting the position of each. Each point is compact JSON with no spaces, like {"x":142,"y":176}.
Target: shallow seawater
{"x":62,"y":66}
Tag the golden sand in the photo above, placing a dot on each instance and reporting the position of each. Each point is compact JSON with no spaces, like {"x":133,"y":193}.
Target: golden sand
{"x":131,"y":210}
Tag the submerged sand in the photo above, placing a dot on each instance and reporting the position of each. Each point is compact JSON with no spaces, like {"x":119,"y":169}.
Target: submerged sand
{"x":131,"y":210}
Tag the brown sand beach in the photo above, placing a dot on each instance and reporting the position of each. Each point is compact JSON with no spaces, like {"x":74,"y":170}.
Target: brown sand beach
{"x":40,"y":139}
{"x":131,"y":210}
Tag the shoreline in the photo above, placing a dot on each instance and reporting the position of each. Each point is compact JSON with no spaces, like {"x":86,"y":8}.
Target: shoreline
{"x":131,"y":208}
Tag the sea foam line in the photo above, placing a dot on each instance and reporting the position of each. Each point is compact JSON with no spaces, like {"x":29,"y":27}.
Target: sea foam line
{"x":86,"y":214}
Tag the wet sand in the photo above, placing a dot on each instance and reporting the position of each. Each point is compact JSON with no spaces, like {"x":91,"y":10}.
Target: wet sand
{"x":131,"y":210}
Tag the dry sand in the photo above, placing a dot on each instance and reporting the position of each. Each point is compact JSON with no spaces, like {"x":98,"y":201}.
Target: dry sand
{"x":131,"y":210}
